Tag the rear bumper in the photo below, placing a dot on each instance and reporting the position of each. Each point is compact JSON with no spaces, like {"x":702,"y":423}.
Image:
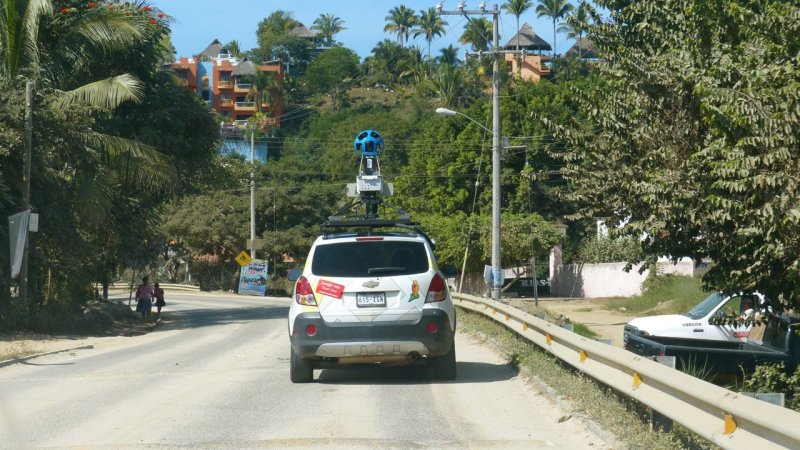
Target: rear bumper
{"x":374,"y":339}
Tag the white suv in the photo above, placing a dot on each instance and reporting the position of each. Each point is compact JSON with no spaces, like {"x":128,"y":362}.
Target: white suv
{"x":371,"y":298}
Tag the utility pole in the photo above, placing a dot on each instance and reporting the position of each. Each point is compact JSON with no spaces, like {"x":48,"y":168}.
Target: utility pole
{"x":26,"y":187}
{"x":253,"y":190}
{"x":497,"y":270}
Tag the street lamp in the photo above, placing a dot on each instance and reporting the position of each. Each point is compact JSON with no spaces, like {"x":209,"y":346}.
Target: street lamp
{"x":497,"y":280}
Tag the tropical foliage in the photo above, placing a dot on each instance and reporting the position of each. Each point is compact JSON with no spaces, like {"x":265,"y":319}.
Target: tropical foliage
{"x":691,"y":140}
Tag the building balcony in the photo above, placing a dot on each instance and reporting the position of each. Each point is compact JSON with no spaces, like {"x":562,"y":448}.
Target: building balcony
{"x":245,"y":106}
{"x":225,"y":84}
{"x":225,"y":102}
{"x":242,"y":88}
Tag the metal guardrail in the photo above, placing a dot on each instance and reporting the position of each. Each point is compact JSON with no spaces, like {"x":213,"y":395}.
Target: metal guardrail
{"x":165,"y":286}
{"x":728,"y":419}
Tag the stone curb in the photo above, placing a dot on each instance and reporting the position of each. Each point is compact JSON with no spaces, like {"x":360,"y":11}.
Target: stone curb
{"x":8,"y":362}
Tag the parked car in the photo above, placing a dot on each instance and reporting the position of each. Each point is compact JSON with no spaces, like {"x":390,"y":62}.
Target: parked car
{"x":701,"y":322}
{"x":371,"y":298}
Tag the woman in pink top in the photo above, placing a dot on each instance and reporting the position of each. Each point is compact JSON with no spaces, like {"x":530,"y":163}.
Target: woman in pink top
{"x":144,"y":298}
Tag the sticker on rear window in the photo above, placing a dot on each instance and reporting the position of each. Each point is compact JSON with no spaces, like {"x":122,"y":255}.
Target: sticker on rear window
{"x":330,"y":288}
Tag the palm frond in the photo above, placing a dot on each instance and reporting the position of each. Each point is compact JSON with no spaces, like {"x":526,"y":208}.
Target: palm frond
{"x":144,"y":165}
{"x":106,"y":94}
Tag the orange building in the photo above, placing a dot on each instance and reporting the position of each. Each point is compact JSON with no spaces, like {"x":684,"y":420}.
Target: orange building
{"x":225,"y":82}
{"x":530,"y":64}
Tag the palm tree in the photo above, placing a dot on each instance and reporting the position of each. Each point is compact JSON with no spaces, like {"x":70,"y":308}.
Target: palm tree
{"x":554,"y":9}
{"x":412,"y":66}
{"x":264,"y":88}
{"x":477,"y":34}
{"x":577,"y":24}
{"x":431,"y":25}
{"x":71,"y":57}
{"x":517,"y":7}
{"x":327,"y":25}
{"x":234,"y":48}
{"x":400,"y":21}
{"x":449,"y":56}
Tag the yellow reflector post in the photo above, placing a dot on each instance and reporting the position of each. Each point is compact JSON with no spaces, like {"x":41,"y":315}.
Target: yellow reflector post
{"x":508,"y":316}
{"x":583,"y":356}
{"x":548,"y":339}
{"x":637,"y":380}
{"x":730,"y":424}
{"x":524,"y":326}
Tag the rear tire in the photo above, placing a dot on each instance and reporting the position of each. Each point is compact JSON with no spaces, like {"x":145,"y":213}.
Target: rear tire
{"x":444,"y":367}
{"x":300,"y":370}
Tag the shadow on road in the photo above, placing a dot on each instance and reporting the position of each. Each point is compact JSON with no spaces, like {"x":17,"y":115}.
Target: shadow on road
{"x":210,"y":317}
{"x":468,"y":372}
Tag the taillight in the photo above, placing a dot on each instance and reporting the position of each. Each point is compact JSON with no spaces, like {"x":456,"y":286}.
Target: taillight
{"x":311,"y":329}
{"x":303,"y":294}
{"x":431,"y":327}
{"x":437,"y":291}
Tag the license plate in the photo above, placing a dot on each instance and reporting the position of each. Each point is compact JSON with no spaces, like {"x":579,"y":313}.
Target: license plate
{"x":369,"y":299}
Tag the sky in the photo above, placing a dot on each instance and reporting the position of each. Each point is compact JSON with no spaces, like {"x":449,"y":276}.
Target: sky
{"x":198,"y":22}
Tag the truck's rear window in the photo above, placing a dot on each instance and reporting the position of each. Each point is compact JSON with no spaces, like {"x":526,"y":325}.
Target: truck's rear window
{"x":369,"y":259}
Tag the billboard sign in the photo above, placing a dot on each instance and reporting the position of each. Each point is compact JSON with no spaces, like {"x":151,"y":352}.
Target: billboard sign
{"x":253,"y":277}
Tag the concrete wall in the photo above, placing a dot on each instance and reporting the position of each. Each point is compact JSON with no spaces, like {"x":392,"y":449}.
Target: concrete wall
{"x":606,"y":279}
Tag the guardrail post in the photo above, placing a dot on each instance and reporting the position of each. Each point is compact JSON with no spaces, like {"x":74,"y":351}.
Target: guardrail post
{"x":658,"y":421}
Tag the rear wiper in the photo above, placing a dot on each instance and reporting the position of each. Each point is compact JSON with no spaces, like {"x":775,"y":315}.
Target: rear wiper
{"x":373,"y":270}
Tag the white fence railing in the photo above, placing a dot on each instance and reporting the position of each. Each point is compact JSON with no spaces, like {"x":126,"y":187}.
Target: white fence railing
{"x":726,"y":418}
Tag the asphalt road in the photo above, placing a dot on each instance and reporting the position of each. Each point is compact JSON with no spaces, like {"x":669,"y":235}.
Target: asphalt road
{"x":215,"y":374}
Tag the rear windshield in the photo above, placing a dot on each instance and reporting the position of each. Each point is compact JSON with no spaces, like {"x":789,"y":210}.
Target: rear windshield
{"x":369,"y":259}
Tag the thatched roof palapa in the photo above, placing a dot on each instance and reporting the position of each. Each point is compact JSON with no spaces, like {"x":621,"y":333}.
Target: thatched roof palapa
{"x":586,"y":48}
{"x":302,"y":32}
{"x":244,"y":68}
{"x":212,"y":51}
{"x":527,"y":39}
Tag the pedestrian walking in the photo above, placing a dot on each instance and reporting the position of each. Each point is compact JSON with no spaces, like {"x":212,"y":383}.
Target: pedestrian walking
{"x":144,"y":299}
{"x":160,"y":303}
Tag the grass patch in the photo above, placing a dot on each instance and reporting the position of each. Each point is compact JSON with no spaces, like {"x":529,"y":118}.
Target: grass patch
{"x":583,"y":330}
{"x":665,"y":294}
{"x":584,"y":310}
{"x":20,"y":350}
{"x":615,"y":413}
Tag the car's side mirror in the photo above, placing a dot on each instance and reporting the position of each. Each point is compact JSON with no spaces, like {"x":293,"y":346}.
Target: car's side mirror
{"x":449,"y":270}
{"x":294,"y":274}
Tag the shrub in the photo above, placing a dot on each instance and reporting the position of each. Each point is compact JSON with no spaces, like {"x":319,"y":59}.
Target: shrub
{"x":604,"y":250}
{"x":775,"y":378}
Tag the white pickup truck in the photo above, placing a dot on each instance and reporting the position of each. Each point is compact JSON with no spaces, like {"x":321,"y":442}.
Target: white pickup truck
{"x":695,"y":323}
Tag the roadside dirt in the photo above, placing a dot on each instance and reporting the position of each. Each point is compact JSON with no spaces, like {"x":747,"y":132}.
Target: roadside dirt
{"x":591,"y":312}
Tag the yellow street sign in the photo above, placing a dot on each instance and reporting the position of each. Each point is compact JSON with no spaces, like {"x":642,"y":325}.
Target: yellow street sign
{"x":243,"y":259}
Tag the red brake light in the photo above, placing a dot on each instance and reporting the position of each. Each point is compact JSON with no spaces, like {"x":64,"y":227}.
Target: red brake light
{"x":432,"y":328}
{"x":311,"y":329}
{"x":303,"y":293}
{"x":437,"y":290}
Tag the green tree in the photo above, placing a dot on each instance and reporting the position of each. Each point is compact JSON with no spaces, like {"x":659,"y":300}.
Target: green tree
{"x":478,"y":34}
{"x":264,"y":88}
{"x":577,"y":24}
{"x":400,"y":21}
{"x":429,"y":24}
{"x":328,"y":25}
{"x":449,"y":56}
{"x":332,"y":72}
{"x":276,"y":42}
{"x":382,"y":66}
{"x":693,"y":139}
{"x":555,"y":10}
{"x":234,"y":47}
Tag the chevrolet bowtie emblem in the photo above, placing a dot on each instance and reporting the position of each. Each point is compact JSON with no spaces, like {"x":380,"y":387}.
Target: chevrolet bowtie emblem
{"x":370,"y":284}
